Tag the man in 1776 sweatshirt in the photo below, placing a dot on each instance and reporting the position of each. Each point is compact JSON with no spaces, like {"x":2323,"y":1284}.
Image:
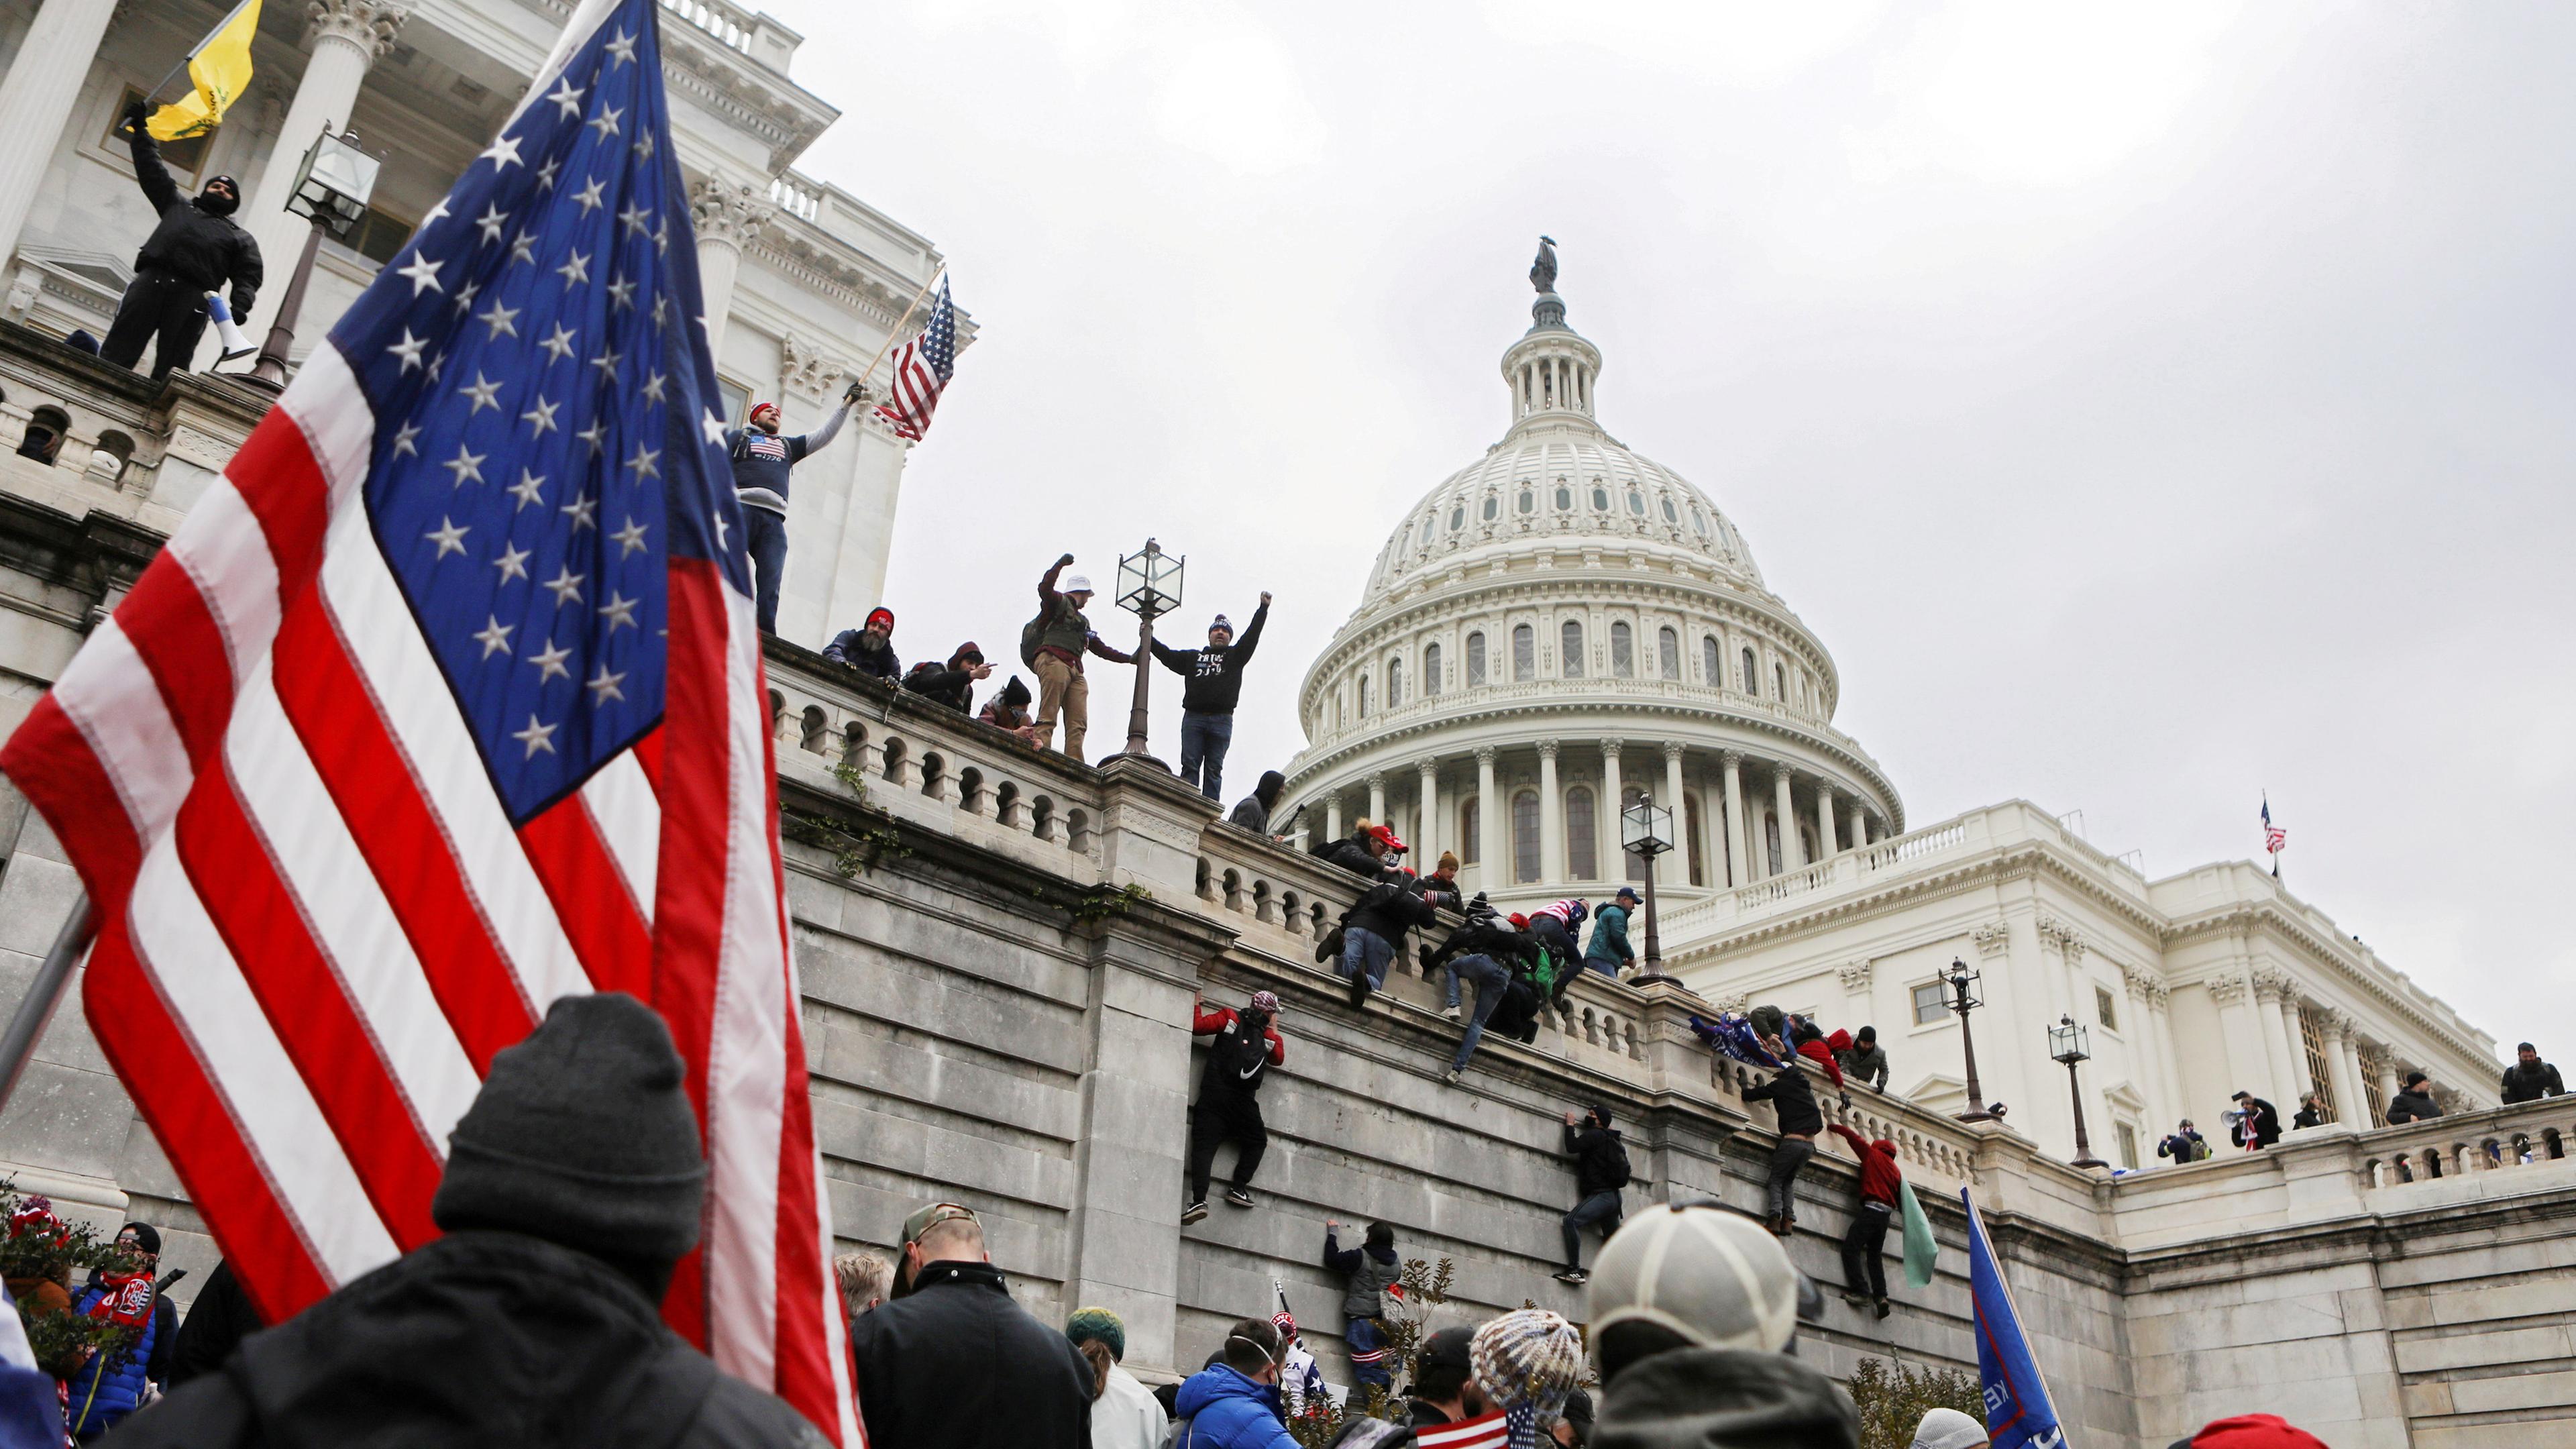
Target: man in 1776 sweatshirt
{"x":1215,"y":676}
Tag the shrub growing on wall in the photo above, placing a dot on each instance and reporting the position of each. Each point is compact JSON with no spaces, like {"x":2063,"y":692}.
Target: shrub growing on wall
{"x":1893,"y":1397}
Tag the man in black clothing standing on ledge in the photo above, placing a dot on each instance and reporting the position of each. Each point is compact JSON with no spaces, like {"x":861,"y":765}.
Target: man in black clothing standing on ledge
{"x":1600,"y":1174}
{"x":1215,"y":676}
{"x":195,"y":249}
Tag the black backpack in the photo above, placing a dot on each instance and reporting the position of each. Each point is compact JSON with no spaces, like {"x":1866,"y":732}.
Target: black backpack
{"x":1030,"y":633}
{"x":1610,"y":1158}
{"x":1239,"y":1055}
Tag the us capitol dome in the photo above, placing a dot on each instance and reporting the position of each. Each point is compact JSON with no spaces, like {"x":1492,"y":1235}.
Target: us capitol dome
{"x":1564,"y":627}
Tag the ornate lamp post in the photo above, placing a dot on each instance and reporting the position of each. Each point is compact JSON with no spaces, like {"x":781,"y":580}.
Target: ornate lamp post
{"x":1149,"y":586}
{"x":1963,"y":1000}
{"x":1647,"y":829}
{"x":331,"y":191}
{"x":2066,"y":1044}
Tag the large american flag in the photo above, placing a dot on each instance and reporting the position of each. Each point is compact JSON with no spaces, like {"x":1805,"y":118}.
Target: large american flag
{"x":446,"y":702}
{"x":921,"y":372}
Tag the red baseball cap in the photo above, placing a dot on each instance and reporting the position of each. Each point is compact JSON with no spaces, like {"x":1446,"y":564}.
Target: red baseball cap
{"x":1519,"y":921}
{"x":1386,"y":837}
{"x":2250,"y":1431}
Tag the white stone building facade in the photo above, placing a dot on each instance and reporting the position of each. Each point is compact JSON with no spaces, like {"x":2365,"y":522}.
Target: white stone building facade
{"x":1564,"y":627}
{"x":803,"y":281}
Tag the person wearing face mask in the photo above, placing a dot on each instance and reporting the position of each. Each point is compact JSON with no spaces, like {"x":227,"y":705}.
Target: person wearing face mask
{"x":1234,"y":1403}
{"x":195,"y":248}
{"x":761,"y":462}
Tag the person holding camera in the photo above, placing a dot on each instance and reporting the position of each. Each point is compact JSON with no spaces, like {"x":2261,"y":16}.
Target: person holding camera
{"x":761,"y":462}
{"x":1245,"y":1048}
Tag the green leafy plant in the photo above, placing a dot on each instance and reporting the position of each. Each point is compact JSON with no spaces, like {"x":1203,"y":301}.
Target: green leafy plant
{"x":1893,"y":1398}
{"x":853,"y":778}
{"x":1097,"y":903}
{"x":1426,"y":1287}
{"x":857,"y":846}
{"x":43,"y":1249}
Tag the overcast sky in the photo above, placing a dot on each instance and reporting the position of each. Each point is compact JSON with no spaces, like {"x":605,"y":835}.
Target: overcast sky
{"x":2148,"y":409}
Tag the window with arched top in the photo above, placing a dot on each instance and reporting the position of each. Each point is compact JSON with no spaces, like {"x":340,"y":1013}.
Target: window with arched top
{"x":1690,"y":835}
{"x":1668,"y":652}
{"x":1394,"y":680}
{"x":1780,"y":682}
{"x":1364,"y":696}
{"x":1600,"y":499}
{"x":1712,"y":671}
{"x":1623,"y":650}
{"x":1564,"y":498}
{"x":1493,"y":506}
{"x":1570,"y":644}
{"x":1525,"y":837}
{"x":1471,"y":837}
{"x":1751,"y":674}
{"x":1582,"y":844}
{"x":1529,"y":500}
{"x":1430,"y":670}
{"x":1476,"y":659}
{"x":1524,"y":654}
{"x":1636,"y":503}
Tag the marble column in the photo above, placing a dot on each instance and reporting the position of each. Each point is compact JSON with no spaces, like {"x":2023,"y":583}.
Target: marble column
{"x":1492,"y":872}
{"x":2384,"y":1067}
{"x":1377,"y":799}
{"x":1426,"y":827}
{"x":36,"y":101}
{"x":2352,"y":1107}
{"x":347,"y":38}
{"x":1333,"y":816}
{"x":1551,"y":816}
{"x":2249,"y":1061}
{"x":2153,"y":997}
{"x":1614,"y":799}
{"x":1859,"y":826}
{"x":1679,"y":804}
{"x":730,"y":215}
{"x":1739,"y":858}
{"x":1826,"y":847}
{"x":2296,"y":1040}
{"x":1787,"y":809}
{"x":2281,"y":1089}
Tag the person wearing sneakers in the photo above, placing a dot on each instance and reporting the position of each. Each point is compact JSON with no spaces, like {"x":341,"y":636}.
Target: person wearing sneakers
{"x":1554,"y":927}
{"x":1245,"y":1048}
{"x":1368,"y":1271}
{"x":1475,"y":952}
{"x":1865,"y":1246}
{"x":1374,"y":931}
{"x":1600,"y":1175}
{"x":1693,"y":1311}
{"x":1054,"y":644}
{"x":762,"y":461}
{"x":1793,"y":1101}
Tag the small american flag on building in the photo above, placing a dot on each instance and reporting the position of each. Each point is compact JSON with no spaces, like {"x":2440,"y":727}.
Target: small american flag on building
{"x":2275,"y":839}
{"x":921,"y":372}
{"x":445,"y":702}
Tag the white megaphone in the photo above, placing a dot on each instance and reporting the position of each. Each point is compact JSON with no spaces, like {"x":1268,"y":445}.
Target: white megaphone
{"x":236,"y":342}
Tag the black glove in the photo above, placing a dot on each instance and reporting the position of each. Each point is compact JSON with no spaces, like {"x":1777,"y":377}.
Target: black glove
{"x":136,"y":115}
{"x":242,"y":298}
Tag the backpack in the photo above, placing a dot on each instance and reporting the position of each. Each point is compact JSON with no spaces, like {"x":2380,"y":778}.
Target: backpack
{"x":1241,"y":1055}
{"x":1616,"y":1156}
{"x":1030,"y":633}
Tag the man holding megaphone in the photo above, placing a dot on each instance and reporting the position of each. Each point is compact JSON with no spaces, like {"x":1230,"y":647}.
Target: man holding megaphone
{"x":196,"y":249}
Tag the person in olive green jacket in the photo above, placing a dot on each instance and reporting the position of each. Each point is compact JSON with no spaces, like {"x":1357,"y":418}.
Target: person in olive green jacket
{"x":1064,"y":636}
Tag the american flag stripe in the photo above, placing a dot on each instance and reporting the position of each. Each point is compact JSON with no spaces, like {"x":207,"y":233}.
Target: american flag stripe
{"x":325,"y":900}
{"x":1487,"y":1431}
{"x":921,"y":372}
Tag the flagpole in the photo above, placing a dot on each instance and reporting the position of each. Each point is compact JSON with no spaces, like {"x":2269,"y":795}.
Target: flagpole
{"x":200,"y":45}
{"x":36,"y":1008}
{"x":870,"y":370}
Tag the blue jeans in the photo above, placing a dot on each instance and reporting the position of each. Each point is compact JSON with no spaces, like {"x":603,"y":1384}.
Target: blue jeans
{"x":1368,"y":1347}
{"x":1204,"y":740}
{"x":1365,"y":950}
{"x":1490,"y":985}
{"x":1601,"y":1208}
{"x":764,"y":534}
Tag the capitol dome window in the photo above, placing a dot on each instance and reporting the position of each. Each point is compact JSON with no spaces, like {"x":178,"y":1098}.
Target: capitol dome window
{"x":1476,"y":659}
{"x":1600,"y":499}
{"x":1711,"y":672}
{"x":1471,"y":839}
{"x":1458,"y":518}
{"x":1524,"y":654}
{"x":1582,"y":849}
{"x":1751,"y":674}
{"x":1394,"y":680}
{"x":1525,"y":837}
{"x":1668,"y":652}
{"x":1699,"y":521}
{"x":1430,"y":670}
{"x":1364,"y":696}
{"x":1670,"y":516}
{"x":1779,"y":685}
{"x":1529,"y":501}
{"x":1636,"y":503}
{"x":1493,"y":506}
{"x":1691,"y":833}
{"x":1571,"y":640}
{"x":1623,"y":650}
{"x":1564,"y":499}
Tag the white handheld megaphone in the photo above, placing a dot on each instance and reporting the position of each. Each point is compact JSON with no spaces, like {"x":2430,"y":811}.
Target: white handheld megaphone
{"x":236,"y":342}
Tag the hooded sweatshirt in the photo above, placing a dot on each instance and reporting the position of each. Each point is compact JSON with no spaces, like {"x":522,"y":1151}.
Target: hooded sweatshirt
{"x":1228,"y":1411}
{"x":196,"y":239}
{"x":1724,"y":1398}
{"x":1372,"y":1269}
{"x":853,"y":648}
{"x":1215,"y":674}
{"x":1879,"y":1176}
{"x":1253,"y":811}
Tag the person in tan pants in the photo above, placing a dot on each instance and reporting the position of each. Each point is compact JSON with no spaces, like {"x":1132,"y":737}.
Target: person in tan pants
{"x":1064,"y":636}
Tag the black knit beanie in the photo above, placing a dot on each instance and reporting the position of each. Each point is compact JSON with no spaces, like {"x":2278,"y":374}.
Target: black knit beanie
{"x":583,"y":1136}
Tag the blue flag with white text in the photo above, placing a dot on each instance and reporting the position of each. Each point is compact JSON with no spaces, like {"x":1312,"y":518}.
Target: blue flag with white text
{"x":2019,"y":1414}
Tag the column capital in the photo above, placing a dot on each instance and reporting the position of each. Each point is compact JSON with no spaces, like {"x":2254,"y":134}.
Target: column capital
{"x":2276,"y":985}
{"x":2228,"y":989}
{"x":808,"y":371}
{"x":1377,"y":779}
{"x":1485,"y":755}
{"x":1610,"y":749}
{"x":1547,"y":749}
{"x":729,"y":213}
{"x":1731,"y":759}
{"x":370,"y":25}
{"x":1672,"y":751}
{"x":1430,"y":765}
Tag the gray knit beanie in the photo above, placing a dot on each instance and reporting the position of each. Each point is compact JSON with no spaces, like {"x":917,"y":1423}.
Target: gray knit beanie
{"x":582,"y":1135}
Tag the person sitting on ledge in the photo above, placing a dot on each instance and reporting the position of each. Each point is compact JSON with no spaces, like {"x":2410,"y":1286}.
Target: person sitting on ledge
{"x":954,"y":684}
{"x":1252,"y":812}
{"x":2415,"y":1104}
{"x":869,"y":649}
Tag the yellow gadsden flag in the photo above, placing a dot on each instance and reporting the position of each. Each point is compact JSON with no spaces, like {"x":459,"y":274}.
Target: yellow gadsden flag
{"x":218,"y":69}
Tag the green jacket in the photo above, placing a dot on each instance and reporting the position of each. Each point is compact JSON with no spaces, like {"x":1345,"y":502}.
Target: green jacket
{"x":1610,"y":938}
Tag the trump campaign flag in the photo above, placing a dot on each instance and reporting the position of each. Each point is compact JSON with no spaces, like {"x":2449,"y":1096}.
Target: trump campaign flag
{"x":446,"y":702}
{"x":2019,"y":1414}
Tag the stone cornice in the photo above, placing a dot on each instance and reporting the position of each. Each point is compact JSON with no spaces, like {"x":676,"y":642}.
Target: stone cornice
{"x":2247,"y":918}
{"x":784,"y":116}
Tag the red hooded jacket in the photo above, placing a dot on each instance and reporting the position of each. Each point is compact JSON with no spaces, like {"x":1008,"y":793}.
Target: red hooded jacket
{"x":1879,"y":1176}
{"x":1817,"y":1052}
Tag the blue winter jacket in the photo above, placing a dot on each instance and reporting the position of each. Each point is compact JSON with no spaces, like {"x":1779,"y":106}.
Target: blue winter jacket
{"x":99,"y":1401}
{"x":1228,"y":1411}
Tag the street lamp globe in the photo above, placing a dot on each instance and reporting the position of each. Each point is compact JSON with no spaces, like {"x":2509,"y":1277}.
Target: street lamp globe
{"x":1149,"y":582}
{"x":2067,"y":1043}
{"x":333,"y":184}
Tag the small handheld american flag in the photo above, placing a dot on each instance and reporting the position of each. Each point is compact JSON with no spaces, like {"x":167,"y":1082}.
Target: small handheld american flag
{"x":922,"y":370}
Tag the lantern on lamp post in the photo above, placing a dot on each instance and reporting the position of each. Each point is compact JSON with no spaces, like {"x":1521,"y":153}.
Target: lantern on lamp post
{"x":1646,"y":829}
{"x":331,"y":190}
{"x":1963,"y":999}
{"x":1149,"y":586}
{"x":2066,"y":1043}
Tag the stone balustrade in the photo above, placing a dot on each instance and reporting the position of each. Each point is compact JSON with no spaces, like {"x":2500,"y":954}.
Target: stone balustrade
{"x":2502,"y":1140}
